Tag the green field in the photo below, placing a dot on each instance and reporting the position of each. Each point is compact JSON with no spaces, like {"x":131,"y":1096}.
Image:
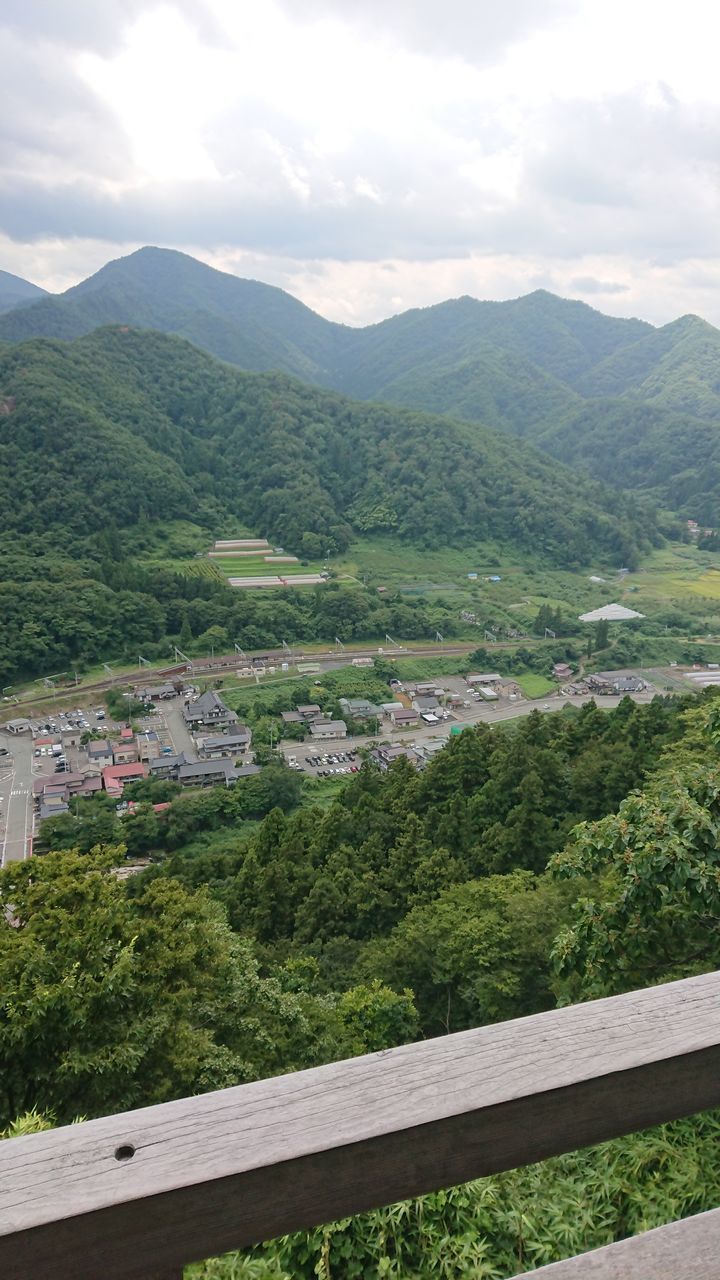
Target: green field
{"x":535,"y":686}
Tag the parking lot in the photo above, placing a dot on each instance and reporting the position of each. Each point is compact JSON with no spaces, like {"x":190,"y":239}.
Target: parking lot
{"x":332,"y":758}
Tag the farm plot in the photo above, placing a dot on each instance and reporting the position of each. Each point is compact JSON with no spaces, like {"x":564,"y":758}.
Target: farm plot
{"x":250,"y":563}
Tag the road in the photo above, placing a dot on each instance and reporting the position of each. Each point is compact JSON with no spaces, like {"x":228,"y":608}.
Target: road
{"x":16,"y":799}
{"x":179,"y":734}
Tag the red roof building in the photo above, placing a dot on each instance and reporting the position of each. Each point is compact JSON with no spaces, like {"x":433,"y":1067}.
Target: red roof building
{"x":116,"y":775}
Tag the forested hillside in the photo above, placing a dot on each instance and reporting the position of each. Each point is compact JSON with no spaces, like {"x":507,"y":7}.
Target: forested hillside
{"x":554,"y":371}
{"x":489,"y":886}
{"x":16,"y":292}
{"x":670,"y":456}
{"x":125,"y":421}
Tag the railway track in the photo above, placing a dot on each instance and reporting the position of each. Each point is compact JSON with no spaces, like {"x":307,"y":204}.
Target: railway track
{"x":227,"y":663}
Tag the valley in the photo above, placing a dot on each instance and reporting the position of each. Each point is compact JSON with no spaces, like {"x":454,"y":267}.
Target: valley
{"x":379,"y":599}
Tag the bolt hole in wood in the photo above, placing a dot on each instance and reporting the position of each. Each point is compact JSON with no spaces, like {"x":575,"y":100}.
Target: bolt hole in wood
{"x":125,"y":1152}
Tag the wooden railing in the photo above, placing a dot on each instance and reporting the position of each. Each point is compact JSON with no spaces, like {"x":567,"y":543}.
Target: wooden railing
{"x":138,"y":1195}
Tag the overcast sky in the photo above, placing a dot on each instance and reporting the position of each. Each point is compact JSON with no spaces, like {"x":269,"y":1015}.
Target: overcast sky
{"x":371,"y":155}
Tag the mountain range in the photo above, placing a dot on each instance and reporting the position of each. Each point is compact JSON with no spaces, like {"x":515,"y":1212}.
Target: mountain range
{"x":618,"y":399}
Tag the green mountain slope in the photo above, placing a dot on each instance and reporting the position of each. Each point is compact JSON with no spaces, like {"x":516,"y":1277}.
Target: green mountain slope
{"x":16,"y":292}
{"x":492,"y":386}
{"x":676,"y":367}
{"x":674,"y":458}
{"x":565,"y":339}
{"x":260,"y":327}
{"x":125,"y":423}
{"x":247,"y":323}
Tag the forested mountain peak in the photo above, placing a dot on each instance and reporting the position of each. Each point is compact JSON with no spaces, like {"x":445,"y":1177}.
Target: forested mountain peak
{"x":253,"y":325}
{"x":16,"y":292}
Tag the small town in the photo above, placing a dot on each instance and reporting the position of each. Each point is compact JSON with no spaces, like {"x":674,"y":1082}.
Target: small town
{"x":194,"y":739}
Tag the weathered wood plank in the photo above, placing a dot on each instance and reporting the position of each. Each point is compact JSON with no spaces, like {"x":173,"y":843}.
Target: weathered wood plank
{"x":690,"y":1248}
{"x":133,"y":1194}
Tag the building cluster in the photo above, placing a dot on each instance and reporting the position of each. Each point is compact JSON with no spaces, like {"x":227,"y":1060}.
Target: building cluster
{"x":221,"y":756}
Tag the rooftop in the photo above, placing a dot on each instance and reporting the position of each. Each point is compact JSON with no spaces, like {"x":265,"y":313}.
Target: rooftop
{"x":610,"y":613}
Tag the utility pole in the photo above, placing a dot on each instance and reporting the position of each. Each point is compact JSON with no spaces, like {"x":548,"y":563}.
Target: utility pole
{"x":182,"y":657}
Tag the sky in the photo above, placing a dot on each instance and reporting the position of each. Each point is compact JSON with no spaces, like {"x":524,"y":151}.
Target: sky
{"x":371,"y":155}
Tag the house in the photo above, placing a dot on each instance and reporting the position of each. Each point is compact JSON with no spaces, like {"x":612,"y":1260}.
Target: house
{"x":359,"y":708}
{"x":53,"y":795}
{"x":562,"y":671}
{"x":404,"y":718}
{"x":73,"y":783}
{"x":629,"y":684}
{"x":207,"y":773}
{"x":384,"y":756}
{"x":428,"y":749}
{"x":291,"y":717}
{"x":209,"y":712}
{"x":166,"y":766}
{"x":485,"y":678}
{"x":614,"y":682}
{"x":311,"y":711}
{"x":126,"y":733}
{"x":424,"y":704}
{"x":125,"y":752}
{"x":428,"y":689}
{"x":156,"y":693}
{"x":148,"y":745}
{"x":326,"y":729}
{"x":18,"y":726}
{"x":52,"y":805}
{"x":100,"y":753}
{"x":115,"y":778}
{"x":232,"y":743}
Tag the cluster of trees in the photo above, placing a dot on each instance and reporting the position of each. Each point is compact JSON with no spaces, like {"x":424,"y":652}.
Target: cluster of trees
{"x":97,"y":607}
{"x":549,"y":619}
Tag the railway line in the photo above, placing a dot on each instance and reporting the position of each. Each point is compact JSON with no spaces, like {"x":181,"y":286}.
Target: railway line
{"x":258,"y":659}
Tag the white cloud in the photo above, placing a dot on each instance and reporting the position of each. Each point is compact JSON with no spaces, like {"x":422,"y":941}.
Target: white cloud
{"x":374,"y":156}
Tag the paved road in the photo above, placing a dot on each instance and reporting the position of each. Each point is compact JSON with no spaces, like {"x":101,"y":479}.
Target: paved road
{"x":181,"y":740}
{"x":16,"y":800}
